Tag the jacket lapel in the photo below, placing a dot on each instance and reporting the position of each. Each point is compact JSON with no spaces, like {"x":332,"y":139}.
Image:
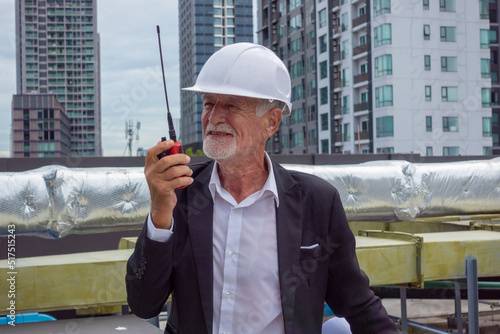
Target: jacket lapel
{"x":200,"y":213}
{"x":289,"y":232}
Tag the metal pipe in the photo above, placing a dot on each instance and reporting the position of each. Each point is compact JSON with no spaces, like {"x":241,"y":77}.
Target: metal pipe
{"x":419,"y":326}
{"x":458,"y":307}
{"x":404,"y":313}
{"x":473,"y":294}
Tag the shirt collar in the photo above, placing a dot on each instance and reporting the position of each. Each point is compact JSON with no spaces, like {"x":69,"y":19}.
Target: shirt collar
{"x":270,"y":185}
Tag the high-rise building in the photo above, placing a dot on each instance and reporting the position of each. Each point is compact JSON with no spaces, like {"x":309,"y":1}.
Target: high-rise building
{"x":493,"y":12}
{"x":205,"y":26}
{"x":391,"y":77}
{"x":40,"y":127}
{"x":58,"y":53}
{"x":289,"y":29}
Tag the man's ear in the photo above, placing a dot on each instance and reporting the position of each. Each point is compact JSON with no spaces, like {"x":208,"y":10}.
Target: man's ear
{"x":273,"y":121}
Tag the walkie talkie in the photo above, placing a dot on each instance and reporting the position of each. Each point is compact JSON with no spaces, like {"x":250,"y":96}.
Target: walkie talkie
{"x":177,"y":148}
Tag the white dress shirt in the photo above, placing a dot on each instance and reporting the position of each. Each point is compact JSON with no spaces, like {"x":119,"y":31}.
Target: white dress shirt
{"x":246,"y":296}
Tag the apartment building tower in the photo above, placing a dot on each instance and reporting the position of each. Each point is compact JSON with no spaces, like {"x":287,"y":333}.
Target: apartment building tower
{"x":408,"y":77}
{"x":205,"y":26}
{"x":40,"y":127}
{"x":57,"y":52}
{"x":289,"y":29}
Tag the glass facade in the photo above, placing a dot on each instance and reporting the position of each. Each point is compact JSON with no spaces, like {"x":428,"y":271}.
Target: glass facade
{"x":60,"y":56}
{"x":205,"y":26}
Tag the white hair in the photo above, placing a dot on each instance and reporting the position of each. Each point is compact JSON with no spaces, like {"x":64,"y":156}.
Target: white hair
{"x":264,"y":105}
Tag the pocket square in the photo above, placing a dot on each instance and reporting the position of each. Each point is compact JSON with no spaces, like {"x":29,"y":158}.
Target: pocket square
{"x":309,"y":247}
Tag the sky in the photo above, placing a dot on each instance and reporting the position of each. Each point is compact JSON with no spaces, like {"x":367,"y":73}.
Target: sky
{"x":131,"y":80}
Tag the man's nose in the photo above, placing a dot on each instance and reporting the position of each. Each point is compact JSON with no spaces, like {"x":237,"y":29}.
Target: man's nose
{"x":218,"y":114}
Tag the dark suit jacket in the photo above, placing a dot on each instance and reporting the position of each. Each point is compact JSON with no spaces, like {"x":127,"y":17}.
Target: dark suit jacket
{"x":310,"y":212}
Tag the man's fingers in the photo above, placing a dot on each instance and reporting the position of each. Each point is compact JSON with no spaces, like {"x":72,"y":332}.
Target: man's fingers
{"x":160,"y":147}
{"x":171,"y":160}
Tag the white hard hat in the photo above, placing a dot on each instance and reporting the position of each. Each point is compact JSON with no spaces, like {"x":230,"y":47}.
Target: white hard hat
{"x":246,"y":69}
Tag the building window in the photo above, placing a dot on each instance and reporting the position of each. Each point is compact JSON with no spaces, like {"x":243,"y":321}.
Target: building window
{"x":447,"y":5}
{"x":448,"y":34}
{"x":425,"y":3}
{"x":487,"y":150}
{"x":383,"y":65}
{"x":297,"y":116}
{"x":296,"y":23}
{"x":385,"y":150}
{"x":324,"y":122}
{"x":449,"y":94}
{"x":362,"y":40}
{"x":427,"y":62}
{"x":323,"y":93}
{"x":428,"y":151}
{"x":485,"y":68}
{"x":322,"y":43}
{"x":347,"y":132}
{"x":448,"y":64}
{"x":427,"y":32}
{"x":486,"y":97}
{"x":381,"y":7}
{"x":345,"y":49}
{"x":296,"y":46}
{"x":494,"y":98}
{"x":383,"y":34}
{"x":323,"y":66}
{"x":322,"y":18}
{"x":428,"y":123}
{"x":451,"y":151}
{"x":383,"y":96}
{"x":324,"y":146}
{"x":385,"y":126}
{"x":450,"y":124}
{"x":484,"y":9}
{"x":298,"y":139}
{"x":493,"y":37}
{"x":487,"y":131}
{"x":484,"y":38}
{"x":428,"y":93}
{"x":346,"y":76}
{"x":346,"y":104}
{"x":344,"y":21}
{"x":363,"y":68}
{"x":364,"y":97}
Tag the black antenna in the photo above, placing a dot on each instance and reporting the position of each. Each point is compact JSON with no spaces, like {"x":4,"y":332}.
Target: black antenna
{"x":171,"y":130}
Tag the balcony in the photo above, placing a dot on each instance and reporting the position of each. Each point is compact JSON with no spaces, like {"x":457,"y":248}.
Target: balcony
{"x":337,"y":83}
{"x":360,"y":78}
{"x":338,"y":137}
{"x":337,"y":110}
{"x":336,"y":56}
{"x":361,"y":106}
{"x":359,"y":20}
{"x":360,"y":49}
{"x":364,"y":135}
{"x":335,"y":5}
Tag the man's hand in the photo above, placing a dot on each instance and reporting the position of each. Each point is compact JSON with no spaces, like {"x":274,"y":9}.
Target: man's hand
{"x":163,"y":177}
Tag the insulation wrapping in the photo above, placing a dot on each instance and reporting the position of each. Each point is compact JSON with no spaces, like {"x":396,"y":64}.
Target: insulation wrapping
{"x":54,"y":201}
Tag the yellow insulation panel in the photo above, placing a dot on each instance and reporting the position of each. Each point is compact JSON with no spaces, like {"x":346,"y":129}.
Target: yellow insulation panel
{"x":444,"y":253}
{"x":65,"y":281}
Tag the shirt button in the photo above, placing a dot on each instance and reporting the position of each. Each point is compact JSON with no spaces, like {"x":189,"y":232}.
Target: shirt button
{"x":235,"y":210}
{"x":227,"y":294}
{"x":231,"y":253}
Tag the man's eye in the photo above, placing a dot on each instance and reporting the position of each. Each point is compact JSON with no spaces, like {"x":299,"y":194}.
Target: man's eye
{"x":208,"y":105}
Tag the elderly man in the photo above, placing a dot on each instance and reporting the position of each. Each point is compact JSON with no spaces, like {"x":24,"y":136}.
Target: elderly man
{"x":247,"y":246}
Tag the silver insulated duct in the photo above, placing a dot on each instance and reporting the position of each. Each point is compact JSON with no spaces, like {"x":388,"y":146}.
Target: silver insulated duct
{"x":54,"y":201}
